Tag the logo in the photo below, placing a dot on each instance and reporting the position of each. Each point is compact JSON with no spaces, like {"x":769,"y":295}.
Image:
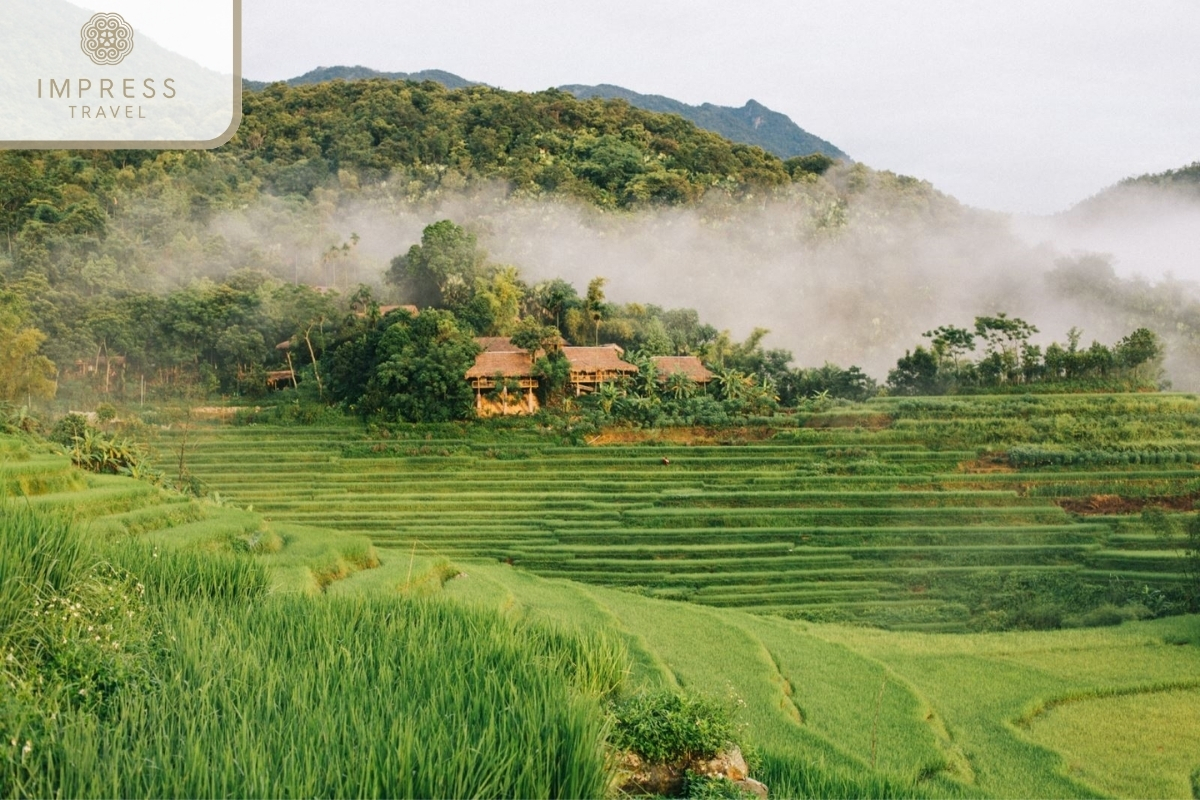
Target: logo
{"x":106,"y":39}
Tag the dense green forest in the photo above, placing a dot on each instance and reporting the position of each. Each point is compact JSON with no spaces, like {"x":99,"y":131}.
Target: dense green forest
{"x":122,"y":275}
{"x":85,"y":231}
{"x":112,"y":253}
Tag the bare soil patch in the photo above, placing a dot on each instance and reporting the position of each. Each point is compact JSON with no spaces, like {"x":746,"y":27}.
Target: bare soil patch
{"x":987,"y":463}
{"x":1113,"y":504}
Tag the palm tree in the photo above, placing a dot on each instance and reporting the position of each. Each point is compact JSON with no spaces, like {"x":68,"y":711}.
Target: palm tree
{"x":680,"y":386}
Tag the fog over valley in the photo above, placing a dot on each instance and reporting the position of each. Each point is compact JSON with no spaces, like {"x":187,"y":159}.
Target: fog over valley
{"x":852,"y":270}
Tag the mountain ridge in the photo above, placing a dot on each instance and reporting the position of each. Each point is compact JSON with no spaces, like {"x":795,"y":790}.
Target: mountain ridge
{"x":752,"y":124}
{"x":359,"y":73}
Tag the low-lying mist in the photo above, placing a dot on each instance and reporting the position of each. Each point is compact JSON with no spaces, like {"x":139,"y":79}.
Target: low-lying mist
{"x":838,"y":271}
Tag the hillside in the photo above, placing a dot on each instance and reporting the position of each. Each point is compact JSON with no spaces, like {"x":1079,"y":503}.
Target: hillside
{"x":851,"y":516}
{"x":358,"y":73}
{"x":753,"y":123}
{"x":832,"y":711}
{"x":1188,"y":177}
{"x":1140,"y":193}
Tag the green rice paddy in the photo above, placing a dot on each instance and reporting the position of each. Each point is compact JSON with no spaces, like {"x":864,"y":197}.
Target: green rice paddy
{"x":891,"y":524}
{"x":363,"y":562}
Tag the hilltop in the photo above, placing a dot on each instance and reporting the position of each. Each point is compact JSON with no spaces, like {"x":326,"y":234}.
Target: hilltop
{"x":359,"y":73}
{"x":753,"y":123}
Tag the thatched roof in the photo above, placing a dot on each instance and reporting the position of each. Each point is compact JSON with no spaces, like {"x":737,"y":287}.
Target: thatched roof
{"x":606,"y":358}
{"x":666,"y":366}
{"x":510,"y":364}
{"x":497,"y":344}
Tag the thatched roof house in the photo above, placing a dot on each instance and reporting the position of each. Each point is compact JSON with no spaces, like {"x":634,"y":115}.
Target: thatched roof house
{"x":502,"y":362}
{"x":692,"y":367}
{"x":507,"y":364}
{"x":497,"y":344}
{"x":590,"y":367}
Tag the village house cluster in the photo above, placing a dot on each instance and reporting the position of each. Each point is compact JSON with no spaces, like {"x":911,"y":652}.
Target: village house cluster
{"x":501,"y":364}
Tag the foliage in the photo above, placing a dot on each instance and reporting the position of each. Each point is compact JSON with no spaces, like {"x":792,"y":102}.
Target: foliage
{"x":812,"y":164}
{"x":405,"y":368}
{"x":18,"y":419}
{"x":1192,"y":561}
{"x":1009,"y":360}
{"x":24,"y":371}
{"x":606,"y":152}
{"x":915,"y":373}
{"x":704,"y":787}
{"x":667,"y":726}
{"x":828,"y":382}
{"x":67,"y":428}
{"x":441,"y":270}
{"x":102,"y":453}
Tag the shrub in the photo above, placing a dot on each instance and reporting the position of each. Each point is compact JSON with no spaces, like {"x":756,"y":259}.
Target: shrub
{"x":1102,"y":617}
{"x":68,"y":429}
{"x":665,"y":726}
{"x":106,"y":412}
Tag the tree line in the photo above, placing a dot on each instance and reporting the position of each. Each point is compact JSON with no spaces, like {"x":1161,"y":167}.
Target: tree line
{"x":1008,"y":360}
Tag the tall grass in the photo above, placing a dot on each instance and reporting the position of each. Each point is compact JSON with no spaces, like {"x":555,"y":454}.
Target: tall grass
{"x":335,"y":697}
{"x":38,"y":554}
{"x":225,"y":690}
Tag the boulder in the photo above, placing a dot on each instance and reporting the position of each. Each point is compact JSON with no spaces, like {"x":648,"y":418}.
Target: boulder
{"x":636,"y":775}
{"x":753,"y":787}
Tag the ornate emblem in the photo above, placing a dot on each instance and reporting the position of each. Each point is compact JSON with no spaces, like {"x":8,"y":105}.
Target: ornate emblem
{"x":106,"y":39}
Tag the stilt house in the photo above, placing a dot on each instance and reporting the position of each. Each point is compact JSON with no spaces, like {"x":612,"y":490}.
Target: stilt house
{"x":504,"y":366}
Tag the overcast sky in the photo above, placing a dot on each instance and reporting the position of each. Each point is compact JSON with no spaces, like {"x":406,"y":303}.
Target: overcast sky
{"x":1015,"y":105}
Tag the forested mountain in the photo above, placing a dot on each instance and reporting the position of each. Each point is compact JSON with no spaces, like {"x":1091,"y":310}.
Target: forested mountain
{"x":1185,"y":177}
{"x":753,"y":123}
{"x":91,"y":241}
{"x":358,"y":73}
{"x":608,"y":153}
{"x":198,"y":263}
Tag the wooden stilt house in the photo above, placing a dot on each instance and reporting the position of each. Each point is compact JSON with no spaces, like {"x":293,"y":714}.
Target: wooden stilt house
{"x":508,"y":368}
{"x":592,"y":366}
{"x":504,"y":383}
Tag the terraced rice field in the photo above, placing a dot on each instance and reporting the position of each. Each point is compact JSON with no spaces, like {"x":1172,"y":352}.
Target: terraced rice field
{"x":1068,"y":713}
{"x":833,"y":522}
{"x":886,"y":523}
